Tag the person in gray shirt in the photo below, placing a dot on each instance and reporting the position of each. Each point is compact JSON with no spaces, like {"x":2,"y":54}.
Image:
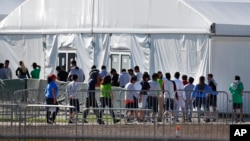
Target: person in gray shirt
{"x":188,"y":88}
{"x":8,"y":70}
{"x":124,"y":78}
{"x":76,"y":70}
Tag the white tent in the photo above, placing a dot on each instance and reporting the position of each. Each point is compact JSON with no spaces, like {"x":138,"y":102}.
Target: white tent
{"x":6,"y":6}
{"x":194,"y":37}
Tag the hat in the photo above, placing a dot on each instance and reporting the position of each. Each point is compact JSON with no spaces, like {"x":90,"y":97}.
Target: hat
{"x":52,"y":76}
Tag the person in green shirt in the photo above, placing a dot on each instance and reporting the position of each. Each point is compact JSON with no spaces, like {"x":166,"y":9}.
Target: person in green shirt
{"x":35,"y":73}
{"x":236,"y":89}
{"x":107,"y":97}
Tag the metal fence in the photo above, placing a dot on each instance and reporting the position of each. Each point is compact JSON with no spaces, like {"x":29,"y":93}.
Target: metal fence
{"x":26,"y":119}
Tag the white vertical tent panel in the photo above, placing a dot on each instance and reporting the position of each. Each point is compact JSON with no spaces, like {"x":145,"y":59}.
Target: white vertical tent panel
{"x":26,"y":48}
{"x":186,"y":53}
{"x":140,"y":52}
{"x":102,"y":50}
{"x":230,"y":57}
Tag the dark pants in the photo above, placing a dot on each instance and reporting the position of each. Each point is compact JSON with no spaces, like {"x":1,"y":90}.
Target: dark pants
{"x":91,"y":102}
{"x":50,"y":101}
{"x":106,"y":102}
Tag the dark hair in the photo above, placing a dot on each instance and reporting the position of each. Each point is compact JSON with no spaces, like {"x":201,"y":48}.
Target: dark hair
{"x":113,"y":70}
{"x":7,"y":61}
{"x":145,"y":75}
{"x":133,"y":78}
{"x":106,"y":80}
{"x":191,"y":80}
{"x":210,"y":75}
{"x":93,"y":67}
{"x":201,"y":83}
{"x":154,"y":76}
{"x":74,"y":77}
{"x":136,"y":68}
{"x":58,"y":68}
{"x":237,"y":77}
{"x":123,"y":70}
{"x":177,"y":75}
{"x":73,"y":62}
{"x":103,"y":67}
{"x":168,"y":75}
{"x":184,"y":77}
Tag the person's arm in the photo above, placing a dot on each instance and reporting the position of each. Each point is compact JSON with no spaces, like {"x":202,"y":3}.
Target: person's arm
{"x":54,"y":95}
{"x":28,"y":74}
{"x":17,"y":70}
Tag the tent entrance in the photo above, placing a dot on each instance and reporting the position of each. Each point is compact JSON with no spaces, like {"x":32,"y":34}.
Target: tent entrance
{"x":120,"y":61}
{"x":64,"y":59}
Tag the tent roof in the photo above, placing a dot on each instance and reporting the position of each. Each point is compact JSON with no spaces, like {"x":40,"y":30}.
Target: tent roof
{"x":230,"y":17}
{"x":6,"y":6}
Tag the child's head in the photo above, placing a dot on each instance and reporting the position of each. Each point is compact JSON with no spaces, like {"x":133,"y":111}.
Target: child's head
{"x":74,"y":77}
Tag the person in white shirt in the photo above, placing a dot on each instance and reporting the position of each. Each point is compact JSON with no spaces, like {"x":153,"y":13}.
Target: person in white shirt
{"x":168,"y":89}
{"x":180,"y":97}
{"x":153,"y":94}
{"x":76,"y":70}
{"x":73,"y":97}
{"x":138,"y":74}
{"x":129,"y":99}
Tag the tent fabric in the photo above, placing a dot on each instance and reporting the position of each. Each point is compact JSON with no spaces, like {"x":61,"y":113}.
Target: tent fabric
{"x":230,"y":16}
{"x":49,"y":16}
{"x":100,"y":16}
{"x":185,"y":53}
{"x":26,"y":48}
{"x":7,"y":6}
{"x":82,"y":43}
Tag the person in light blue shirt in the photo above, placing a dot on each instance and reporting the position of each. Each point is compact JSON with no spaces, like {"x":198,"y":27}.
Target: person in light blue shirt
{"x":103,"y":72}
{"x":124,"y":78}
{"x":51,"y":93}
{"x":200,"y":94}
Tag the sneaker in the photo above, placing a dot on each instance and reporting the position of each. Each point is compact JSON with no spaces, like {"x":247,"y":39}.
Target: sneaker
{"x":85,"y":121}
{"x":70,"y":121}
{"x":116,"y":121}
{"x":49,"y":122}
{"x":100,"y":122}
{"x":189,"y":120}
{"x":207,"y":120}
{"x":236,"y":121}
{"x":214,"y":120}
{"x":242,"y":120}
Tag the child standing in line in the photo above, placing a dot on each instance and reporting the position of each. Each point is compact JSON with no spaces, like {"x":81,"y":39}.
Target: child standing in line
{"x":107,"y":97}
{"x":73,"y":97}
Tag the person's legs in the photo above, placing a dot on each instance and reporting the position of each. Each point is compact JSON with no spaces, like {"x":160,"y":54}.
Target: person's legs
{"x":49,"y":101}
{"x":190,"y":107}
{"x":176,"y":110}
{"x":160,"y":107}
{"x":241,"y":112}
{"x":198,"y":105}
{"x":103,"y":104}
